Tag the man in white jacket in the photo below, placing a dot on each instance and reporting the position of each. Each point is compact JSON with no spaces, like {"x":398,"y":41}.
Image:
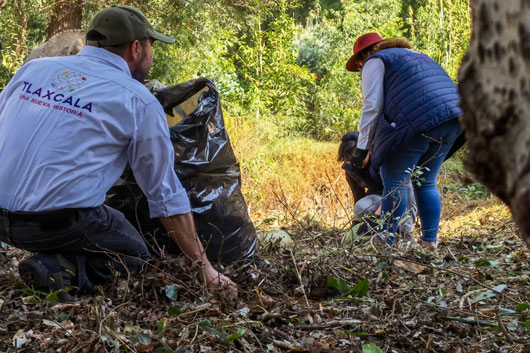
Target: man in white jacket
{"x":68,"y":127}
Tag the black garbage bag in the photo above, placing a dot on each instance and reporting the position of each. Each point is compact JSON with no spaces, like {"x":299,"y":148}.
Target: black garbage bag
{"x":207,"y":168}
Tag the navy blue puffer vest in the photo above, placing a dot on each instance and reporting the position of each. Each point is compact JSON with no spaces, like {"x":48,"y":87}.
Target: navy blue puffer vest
{"x":419,"y":95}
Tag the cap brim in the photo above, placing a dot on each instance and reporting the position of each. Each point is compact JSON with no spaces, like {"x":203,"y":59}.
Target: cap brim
{"x":353,"y":64}
{"x":163,"y":38}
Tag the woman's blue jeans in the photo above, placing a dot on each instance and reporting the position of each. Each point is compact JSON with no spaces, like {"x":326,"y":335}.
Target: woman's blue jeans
{"x":425,"y":154}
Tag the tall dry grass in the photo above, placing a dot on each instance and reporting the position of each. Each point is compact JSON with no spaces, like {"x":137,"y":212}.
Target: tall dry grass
{"x":297,"y":181}
{"x":290,"y":180}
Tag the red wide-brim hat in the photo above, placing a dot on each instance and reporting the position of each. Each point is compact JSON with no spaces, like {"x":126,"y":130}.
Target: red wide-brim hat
{"x":363,"y":42}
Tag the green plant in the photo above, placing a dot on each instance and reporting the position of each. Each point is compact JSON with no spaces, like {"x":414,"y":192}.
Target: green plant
{"x":360,"y":289}
{"x":34,"y":295}
{"x":416,"y":174}
{"x":371,"y":348}
{"x":475,"y":191}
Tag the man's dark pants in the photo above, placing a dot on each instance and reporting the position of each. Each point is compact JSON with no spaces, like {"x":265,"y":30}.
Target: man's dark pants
{"x":99,"y":240}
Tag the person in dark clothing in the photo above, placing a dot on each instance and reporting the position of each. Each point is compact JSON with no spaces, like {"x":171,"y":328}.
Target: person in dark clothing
{"x":363,"y":182}
{"x":367,"y":189}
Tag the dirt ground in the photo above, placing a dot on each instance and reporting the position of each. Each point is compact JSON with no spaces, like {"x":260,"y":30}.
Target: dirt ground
{"x":322,"y":296}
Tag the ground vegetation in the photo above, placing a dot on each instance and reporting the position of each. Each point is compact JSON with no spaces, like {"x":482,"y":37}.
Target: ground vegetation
{"x":279,"y":66}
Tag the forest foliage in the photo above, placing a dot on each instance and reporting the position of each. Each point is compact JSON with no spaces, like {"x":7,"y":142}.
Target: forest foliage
{"x":279,"y":64}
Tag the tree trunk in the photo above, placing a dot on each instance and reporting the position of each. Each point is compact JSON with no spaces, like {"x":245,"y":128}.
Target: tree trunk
{"x":495,"y":96}
{"x":21,"y":9}
{"x":67,"y":14}
{"x":20,"y":42}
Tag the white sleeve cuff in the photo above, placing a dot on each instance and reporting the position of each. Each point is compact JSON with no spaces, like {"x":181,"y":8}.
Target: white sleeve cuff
{"x":177,"y":203}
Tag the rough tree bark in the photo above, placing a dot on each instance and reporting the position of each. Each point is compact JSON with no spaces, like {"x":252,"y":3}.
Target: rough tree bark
{"x":495,"y":96}
{"x":67,"y":14}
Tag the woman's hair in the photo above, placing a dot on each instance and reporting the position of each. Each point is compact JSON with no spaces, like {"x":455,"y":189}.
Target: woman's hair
{"x":384,"y":44}
{"x":347,"y":146}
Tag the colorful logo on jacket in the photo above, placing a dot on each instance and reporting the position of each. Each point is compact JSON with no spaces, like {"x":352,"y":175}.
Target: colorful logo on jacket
{"x":68,"y":81}
{"x":61,"y":96}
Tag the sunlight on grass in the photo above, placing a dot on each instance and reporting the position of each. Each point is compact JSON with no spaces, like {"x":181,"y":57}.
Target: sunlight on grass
{"x":291,"y":179}
{"x":475,"y":217}
{"x":296,"y":180}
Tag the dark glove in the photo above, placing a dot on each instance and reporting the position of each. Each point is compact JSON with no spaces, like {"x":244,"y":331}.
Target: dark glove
{"x":358,"y":157}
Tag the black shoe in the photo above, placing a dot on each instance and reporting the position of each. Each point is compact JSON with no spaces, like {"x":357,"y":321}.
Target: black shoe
{"x":45,"y":272}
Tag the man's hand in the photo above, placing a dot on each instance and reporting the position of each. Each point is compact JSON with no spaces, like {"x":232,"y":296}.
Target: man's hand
{"x":181,"y":228}
{"x":358,"y":157}
{"x":216,"y":281}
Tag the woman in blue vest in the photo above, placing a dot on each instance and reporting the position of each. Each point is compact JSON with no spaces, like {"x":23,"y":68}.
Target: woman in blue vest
{"x":409,"y":122}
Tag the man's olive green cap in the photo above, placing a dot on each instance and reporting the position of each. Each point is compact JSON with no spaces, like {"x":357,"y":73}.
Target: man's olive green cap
{"x":120,"y":25}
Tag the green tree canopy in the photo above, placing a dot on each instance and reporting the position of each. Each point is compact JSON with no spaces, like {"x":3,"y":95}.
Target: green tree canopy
{"x":279,"y":64}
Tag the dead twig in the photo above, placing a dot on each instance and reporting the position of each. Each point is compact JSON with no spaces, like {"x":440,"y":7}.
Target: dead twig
{"x":289,"y":346}
{"x":501,"y":325}
{"x":451,"y":253}
{"x":467,"y":295}
{"x":260,"y":300}
{"x":428,"y":344}
{"x":119,"y":339}
{"x":329,"y":324}
{"x":268,"y":316}
{"x":299,"y":279}
{"x":203,"y":307}
{"x":195,"y":335}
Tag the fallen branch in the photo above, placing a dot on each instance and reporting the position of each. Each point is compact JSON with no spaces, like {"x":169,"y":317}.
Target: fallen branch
{"x":268,"y":316}
{"x":300,"y":279}
{"x":202,"y":307}
{"x":289,"y":346}
{"x":329,"y":324}
{"x":501,"y":325}
{"x":470,"y":321}
{"x":467,"y":295}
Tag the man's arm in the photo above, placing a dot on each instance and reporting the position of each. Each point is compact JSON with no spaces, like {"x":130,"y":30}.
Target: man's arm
{"x":181,"y":228}
{"x":151,"y":158}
